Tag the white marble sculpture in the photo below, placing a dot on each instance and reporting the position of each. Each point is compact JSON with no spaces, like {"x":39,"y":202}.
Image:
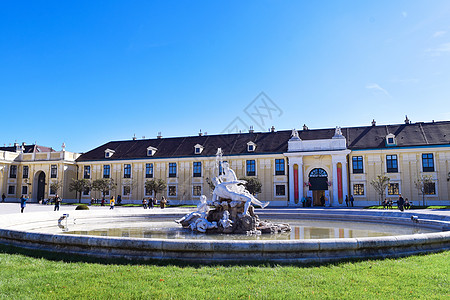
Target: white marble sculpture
{"x":227,"y":186}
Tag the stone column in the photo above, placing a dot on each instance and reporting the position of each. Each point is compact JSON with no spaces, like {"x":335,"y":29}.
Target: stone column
{"x":344,"y":179}
{"x":299,"y":162}
{"x":334,"y":199}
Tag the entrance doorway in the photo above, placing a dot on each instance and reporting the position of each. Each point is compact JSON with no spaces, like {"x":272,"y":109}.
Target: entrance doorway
{"x":318,"y":184}
{"x":41,"y":186}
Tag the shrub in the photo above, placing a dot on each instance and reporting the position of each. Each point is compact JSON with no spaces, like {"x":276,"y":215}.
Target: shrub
{"x":82,"y":207}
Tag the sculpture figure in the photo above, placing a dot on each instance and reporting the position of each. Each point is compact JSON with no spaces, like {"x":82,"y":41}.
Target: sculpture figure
{"x":233,"y":212}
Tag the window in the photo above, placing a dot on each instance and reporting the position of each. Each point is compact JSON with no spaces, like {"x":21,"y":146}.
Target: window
{"x":148,"y":170}
{"x":427,"y":162}
{"x":198,"y":149}
{"x":172,"y":190}
{"x":25,"y":172}
{"x":251,"y":168}
{"x":127,"y":171}
{"x":391,"y":164}
{"x":86,"y":191}
{"x":393,"y":189}
{"x":280,"y":190}
{"x":53,"y":171}
{"x":429,"y":188}
{"x":197,"y":169}
{"x":11,"y":190}
{"x":151,"y":151}
{"x":147,"y":191}
{"x":106,"y":171}
{"x":357,"y":163}
{"x":279,"y":167}
{"x":197,"y":190}
{"x":358,"y":189}
{"x":251,"y":147}
{"x":126,"y":190}
{"x":13,"y":171}
{"x":24,"y":190}
{"x":52,"y":190}
{"x":172,"y":170}
{"x":87,"y":173}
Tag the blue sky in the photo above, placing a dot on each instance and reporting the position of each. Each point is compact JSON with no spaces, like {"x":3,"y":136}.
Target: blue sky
{"x":88,"y":72}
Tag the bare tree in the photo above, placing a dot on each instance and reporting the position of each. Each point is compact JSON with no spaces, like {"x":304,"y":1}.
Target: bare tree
{"x":104,"y":185}
{"x":380,"y":184}
{"x":425,"y":186}
{"x":253,"y":185}
{"x":155,"y":185}
{"x":79,"y":185}
{"x":56,"y":186}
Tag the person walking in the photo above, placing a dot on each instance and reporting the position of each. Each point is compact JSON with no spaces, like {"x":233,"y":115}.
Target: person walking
{"x":23,"y":203}
{"x":346,"y":200}
{"x":351,"y":200}
{"x":400,"y":202}
{"x":163,"y":202}
{"x":3,"y":197}
{"x":112,"y":202}
{"x":57,"y":203}
{"x":144,"y":203}
{"x":150,"y":202}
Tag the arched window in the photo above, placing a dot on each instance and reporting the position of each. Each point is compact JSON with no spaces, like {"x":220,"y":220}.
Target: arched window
{"x":318,"y":173}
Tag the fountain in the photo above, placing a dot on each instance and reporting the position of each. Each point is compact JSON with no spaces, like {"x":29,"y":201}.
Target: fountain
{"x":233,"y":211}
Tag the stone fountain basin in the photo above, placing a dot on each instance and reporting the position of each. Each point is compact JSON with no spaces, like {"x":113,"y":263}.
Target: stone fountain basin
{"x":21,"y":230}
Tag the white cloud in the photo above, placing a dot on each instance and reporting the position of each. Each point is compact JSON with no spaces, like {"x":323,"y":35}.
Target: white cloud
{"x":439,"y":33}
{"x":375,"y":87}
{"x":404,"y":14}
{"x":443,"y":48}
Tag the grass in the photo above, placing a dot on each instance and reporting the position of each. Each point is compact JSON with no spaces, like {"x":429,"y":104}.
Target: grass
{"x":51,"y":276}
{"x":413,"y":207}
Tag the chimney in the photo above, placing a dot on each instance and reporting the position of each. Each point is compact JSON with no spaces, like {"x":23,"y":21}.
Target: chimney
{"x":134,"y":137}
{"x":305,"y":127}
{"x":251,"y":129}
{"x":200,"y":133}
{"x":373,"y":122}
{"x":407,"y":121}
{"x":272,"y":129}
{"x":159,"y":136}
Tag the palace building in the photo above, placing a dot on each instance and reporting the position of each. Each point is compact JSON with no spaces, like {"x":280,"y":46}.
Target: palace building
{"x":319,"y":163}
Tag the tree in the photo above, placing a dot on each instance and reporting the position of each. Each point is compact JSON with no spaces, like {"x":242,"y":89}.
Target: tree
{"x":425,"y":185}
{"x":155,"y":185}
{"x":55,"y":186}
{"x":104,"y":185}
{"x":79,"y":185}
{"x":380,"y":184}
{"x":253,"y":185}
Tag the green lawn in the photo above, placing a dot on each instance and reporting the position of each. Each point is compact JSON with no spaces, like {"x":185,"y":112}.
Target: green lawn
{"x":413,"y":207}
{"x":42,"y":276}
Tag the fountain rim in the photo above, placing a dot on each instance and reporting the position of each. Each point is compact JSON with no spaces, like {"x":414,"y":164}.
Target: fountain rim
{"x":289,"y":251}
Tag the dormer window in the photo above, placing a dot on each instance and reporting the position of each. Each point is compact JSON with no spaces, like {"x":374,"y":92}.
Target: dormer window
{"x":198,"y":149}
{"x":151,"y":151}
{"x":251,"y":147}
{"x":391,"y":140}
{"x":109,"y":153}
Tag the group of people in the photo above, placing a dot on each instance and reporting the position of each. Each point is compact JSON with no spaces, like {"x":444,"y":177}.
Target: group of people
{"x":56,"y":200}
{"x":402,"y":203}
{"x":152,"y":202}
{"x":349,"y":201}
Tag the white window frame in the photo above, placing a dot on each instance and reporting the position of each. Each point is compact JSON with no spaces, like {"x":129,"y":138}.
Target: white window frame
{"x":275,"y":190}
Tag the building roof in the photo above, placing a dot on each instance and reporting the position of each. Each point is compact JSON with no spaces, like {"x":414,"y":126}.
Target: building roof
{"x":366,"y":137}
{"x":28,"y":149}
